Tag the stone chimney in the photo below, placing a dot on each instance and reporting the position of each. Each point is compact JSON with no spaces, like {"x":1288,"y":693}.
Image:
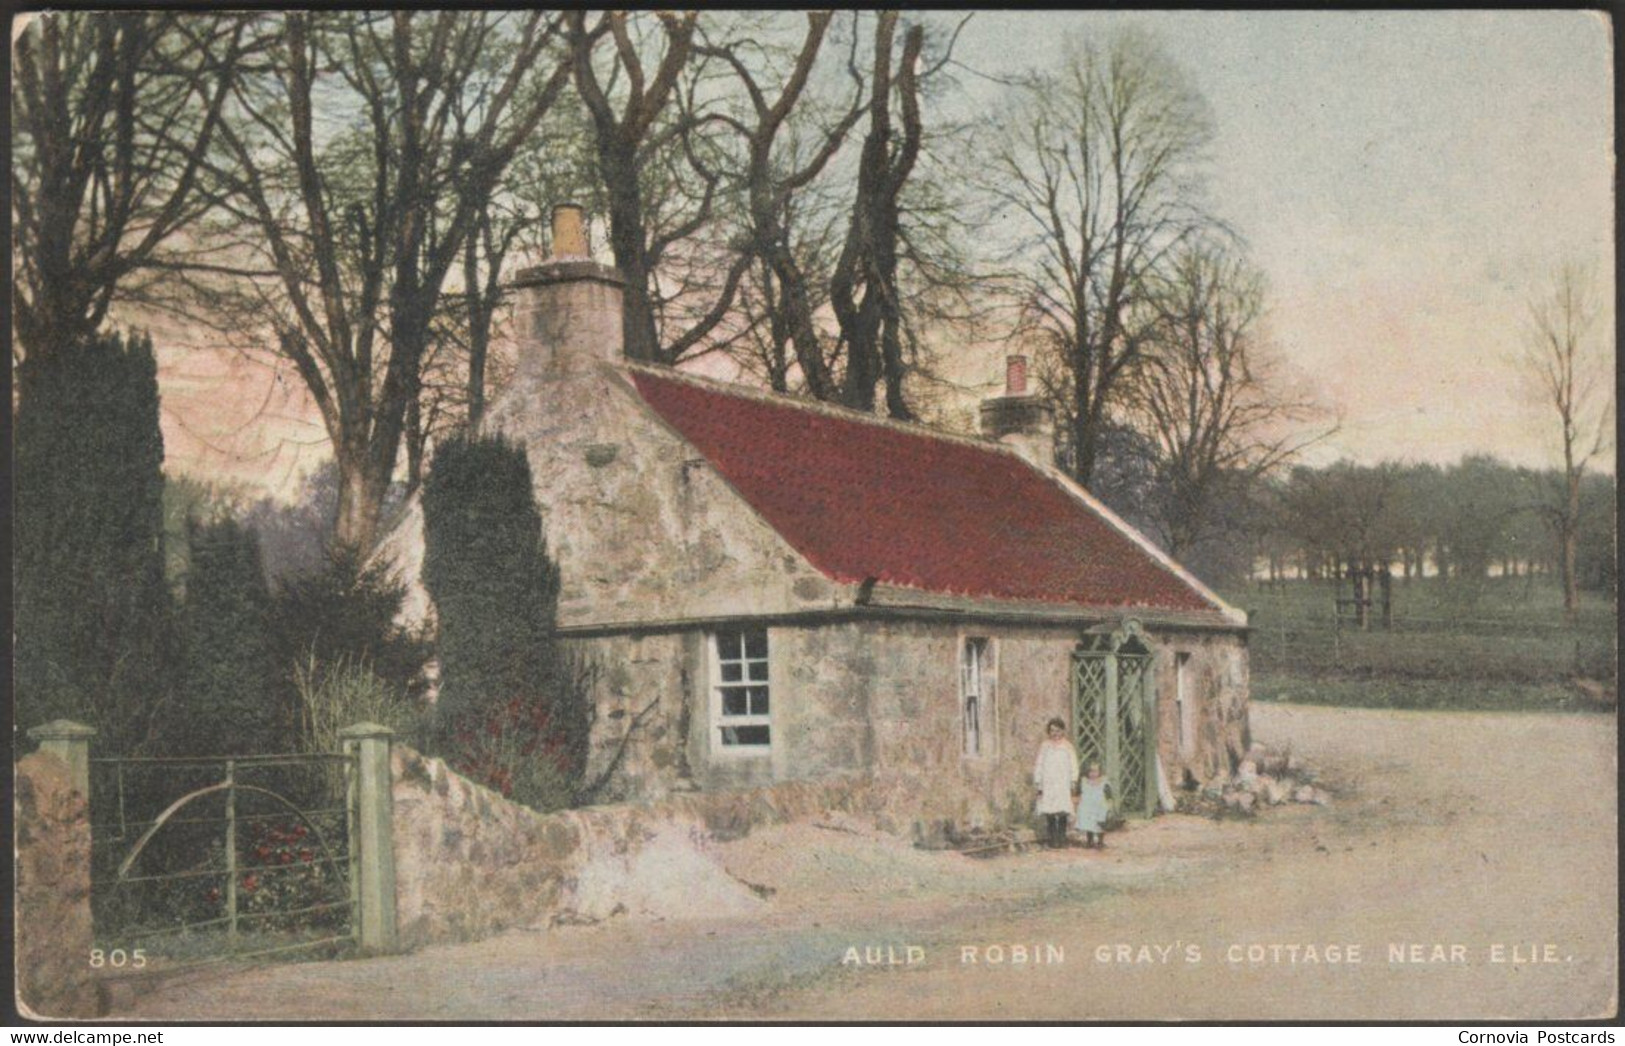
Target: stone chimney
{"x":569,"y":307}
{"x":1019,"y":419}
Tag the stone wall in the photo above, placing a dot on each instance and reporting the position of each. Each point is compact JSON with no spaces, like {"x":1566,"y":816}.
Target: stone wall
{"x":643,"y":691}
{"x":882,"y":696}
{"x":469,"y":863}
{"x":52,"y":899}
{"x":1217,"y":735}
{"x":866,"y":721}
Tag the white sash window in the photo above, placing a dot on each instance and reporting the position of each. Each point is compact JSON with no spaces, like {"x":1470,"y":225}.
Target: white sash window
{"x":739,"y":692}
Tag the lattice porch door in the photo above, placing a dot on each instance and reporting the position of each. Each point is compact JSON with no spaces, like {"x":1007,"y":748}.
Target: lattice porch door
{"x":1113,"y":715}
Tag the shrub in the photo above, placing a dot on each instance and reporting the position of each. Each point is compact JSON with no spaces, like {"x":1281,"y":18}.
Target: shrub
{"x":289,"y":872}
{"x":517,"y":752}
{"x":343,"y":693}
{"x":511,"y":710}
{"x":346,"y":612}
{"x":522,"y":751}
{"x":228,"y":701}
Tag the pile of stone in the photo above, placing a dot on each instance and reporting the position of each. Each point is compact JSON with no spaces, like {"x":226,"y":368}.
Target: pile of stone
{"x":1266,"y":777}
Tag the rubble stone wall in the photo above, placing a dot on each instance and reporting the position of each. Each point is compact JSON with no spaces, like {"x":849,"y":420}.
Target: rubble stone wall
{"x":469,"y":863}
{"x":866,"y":721}
{"x":52,"y":898}
{"x":883,"y":696}
{"x":1216,"y":734}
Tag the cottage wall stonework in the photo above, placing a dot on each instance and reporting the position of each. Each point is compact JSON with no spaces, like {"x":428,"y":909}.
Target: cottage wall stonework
{"x":856,"y":695}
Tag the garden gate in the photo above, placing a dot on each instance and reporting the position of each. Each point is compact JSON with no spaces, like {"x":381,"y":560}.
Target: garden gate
{"x":210,"y":859}
{"x":1114,"y":720}
{"x":216,"y":858}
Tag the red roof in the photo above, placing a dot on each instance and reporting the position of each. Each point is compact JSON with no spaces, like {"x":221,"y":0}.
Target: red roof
{"x":867,"y":499}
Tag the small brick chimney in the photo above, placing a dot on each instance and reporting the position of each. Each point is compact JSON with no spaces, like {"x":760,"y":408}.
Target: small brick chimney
{"x":569,"y":306}
{"x":1019,"y":419}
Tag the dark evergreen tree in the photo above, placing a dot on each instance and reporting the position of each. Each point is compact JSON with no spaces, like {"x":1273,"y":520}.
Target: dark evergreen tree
{"x":92,"y":613}
{"x":229,"y":700}
{"x":347,"y":611}
{"x":495,"y":593}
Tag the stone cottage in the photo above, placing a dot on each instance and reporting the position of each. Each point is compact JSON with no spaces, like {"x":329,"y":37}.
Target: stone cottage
{"x":774,"y":589}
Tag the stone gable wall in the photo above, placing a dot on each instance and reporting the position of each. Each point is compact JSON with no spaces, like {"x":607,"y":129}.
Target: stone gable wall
{"x":642,"y":527}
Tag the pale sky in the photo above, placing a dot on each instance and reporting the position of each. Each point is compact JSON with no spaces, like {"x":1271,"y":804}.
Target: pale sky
{"x":1406,"y":181}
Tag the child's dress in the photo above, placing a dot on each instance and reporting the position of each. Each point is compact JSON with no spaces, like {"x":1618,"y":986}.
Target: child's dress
{"x":1092,"y":809}
{"x":1053,"y":774}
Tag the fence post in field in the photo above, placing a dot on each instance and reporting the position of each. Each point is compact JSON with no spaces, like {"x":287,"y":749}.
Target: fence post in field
{"x":69,"y":742}
{"x":372,"y":844}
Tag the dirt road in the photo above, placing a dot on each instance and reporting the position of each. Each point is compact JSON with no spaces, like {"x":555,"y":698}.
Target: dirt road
{"x":1481,"y":846}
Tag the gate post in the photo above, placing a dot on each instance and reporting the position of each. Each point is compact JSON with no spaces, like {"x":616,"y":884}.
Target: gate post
{"x":69,"y":742}
{"x":372,"y":844}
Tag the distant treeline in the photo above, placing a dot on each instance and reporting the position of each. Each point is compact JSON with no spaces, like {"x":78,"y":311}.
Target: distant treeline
{"x":1472,"y":519}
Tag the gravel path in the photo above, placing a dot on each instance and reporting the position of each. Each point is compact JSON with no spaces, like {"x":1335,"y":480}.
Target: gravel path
{"x":1476,"y":836}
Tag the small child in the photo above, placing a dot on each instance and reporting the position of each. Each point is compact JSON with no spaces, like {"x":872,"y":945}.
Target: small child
{"x":1054,"y":775}
{"x":1093,"y":792}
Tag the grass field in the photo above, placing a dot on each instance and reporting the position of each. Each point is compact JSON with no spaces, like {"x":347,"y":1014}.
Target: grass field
{"x":1498,"y":643}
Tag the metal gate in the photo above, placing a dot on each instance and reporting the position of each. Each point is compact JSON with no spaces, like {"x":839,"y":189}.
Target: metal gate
{"x":1114,"y":719}
{"x":221,"y":858}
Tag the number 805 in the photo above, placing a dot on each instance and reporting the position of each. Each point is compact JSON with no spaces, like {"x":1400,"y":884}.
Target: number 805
{"x":118,"y":957}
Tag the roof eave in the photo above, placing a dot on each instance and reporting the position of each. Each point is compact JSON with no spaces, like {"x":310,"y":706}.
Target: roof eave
{"x":1235,"y":615}
{"x":899,"y":597}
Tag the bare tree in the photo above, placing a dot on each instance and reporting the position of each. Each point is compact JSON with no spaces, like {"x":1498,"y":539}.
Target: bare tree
{"x":829,"y":239}
{"x":1099,"y":180}
{"x":1569,"y":369}
{"x":629,"y":140}
{"x":360,"y":218}
{"x":112,"y":114}
{"x":773,"y":173}
{"x":871,"y":323}
{"x":1207,"y":394}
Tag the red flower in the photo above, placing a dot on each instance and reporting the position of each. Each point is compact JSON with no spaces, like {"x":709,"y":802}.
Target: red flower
{"x":251,"y":882}
{"x":306,"y":856}
{"x":214,"y":893}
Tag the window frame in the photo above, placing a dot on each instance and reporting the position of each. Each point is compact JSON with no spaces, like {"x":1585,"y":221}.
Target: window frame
{"x":720,"y":718}
{"x":987,"y":676}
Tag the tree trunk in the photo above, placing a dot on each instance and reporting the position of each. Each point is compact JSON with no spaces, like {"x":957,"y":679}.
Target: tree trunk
{"x":361,"y":500}
{"x":416,"y":442}
{"x":1570,"y":536}
{"x":1083,"y":427}
{"x":478,"y":305}
{"x":1570,"y":528}
{"x":626,"y":235}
